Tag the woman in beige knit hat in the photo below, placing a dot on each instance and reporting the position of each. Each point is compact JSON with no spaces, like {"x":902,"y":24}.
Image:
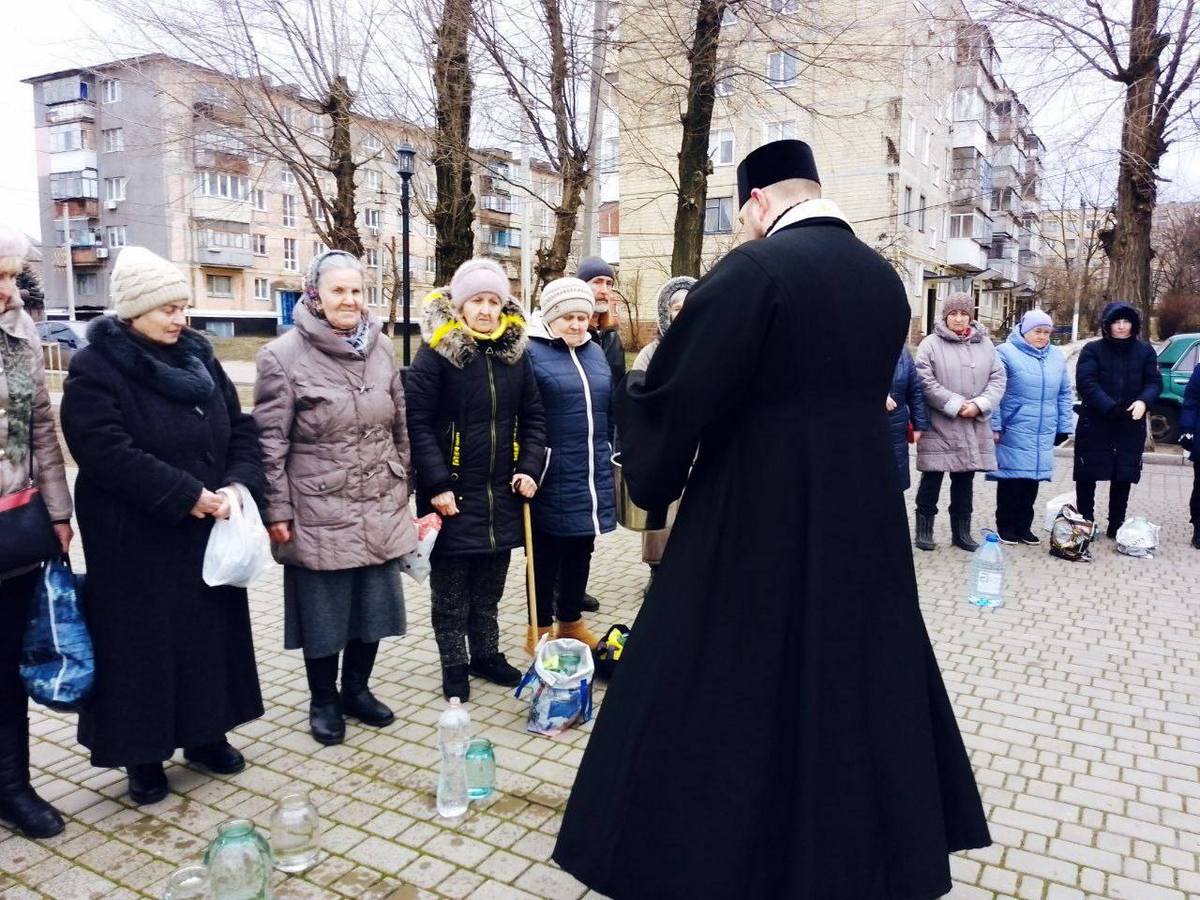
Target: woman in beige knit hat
{"x":28,"y":445}
{"x":157,"y":430}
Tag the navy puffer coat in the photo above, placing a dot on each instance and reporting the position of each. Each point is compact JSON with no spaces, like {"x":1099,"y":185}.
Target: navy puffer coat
{"x":1189,"y":418}
{"x":1111,"y":374}
{"x":910,"y":408}
{"x":576,"y":498}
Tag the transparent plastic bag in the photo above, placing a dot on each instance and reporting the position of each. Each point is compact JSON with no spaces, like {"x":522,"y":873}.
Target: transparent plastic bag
{"x":1072,"y":535}
{"x":562,"y":673}
{"x":1138,"y":537}
{"x":239,"y":550}
{"x":1054,"y":506}
{"x":416,"y":564}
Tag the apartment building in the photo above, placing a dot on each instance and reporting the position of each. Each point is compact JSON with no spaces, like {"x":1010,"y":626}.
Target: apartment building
{"x":901,"y":112}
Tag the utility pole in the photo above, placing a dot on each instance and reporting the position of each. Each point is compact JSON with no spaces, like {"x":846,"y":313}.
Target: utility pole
{"x":590,"y":228}
{"x":70,"y":263}
{"x":1080,"y":271}
{"x":526,"y":201}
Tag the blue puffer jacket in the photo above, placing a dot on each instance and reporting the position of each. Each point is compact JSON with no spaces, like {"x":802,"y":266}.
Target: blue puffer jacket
{"x":910,"y":407}
{"x":1036,"y":406}
{"x":576,"y":498}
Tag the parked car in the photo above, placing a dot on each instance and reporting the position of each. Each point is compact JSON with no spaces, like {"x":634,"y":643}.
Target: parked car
{"x":1176,"y":359}
{"x":70,"y":337}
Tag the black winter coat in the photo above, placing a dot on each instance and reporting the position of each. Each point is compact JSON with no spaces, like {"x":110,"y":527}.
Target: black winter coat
{"x":149,"y":427}
{"x":840,"y":774}
{"x":609,"y":340}
{"x":910,"y":409}
{"x":1110,"y":375}
{"x":474,"y":421}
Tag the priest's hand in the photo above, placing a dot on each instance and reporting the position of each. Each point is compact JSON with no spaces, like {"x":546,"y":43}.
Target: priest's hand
{"x":524,"y":485}
{"x":445,"y":505}
{"x":1136,"y":409}
{"x":280,"y":532}
{"x":889,"y":404}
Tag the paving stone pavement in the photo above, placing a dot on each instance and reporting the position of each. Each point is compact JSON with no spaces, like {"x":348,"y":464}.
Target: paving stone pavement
{"x":1079,"y":703}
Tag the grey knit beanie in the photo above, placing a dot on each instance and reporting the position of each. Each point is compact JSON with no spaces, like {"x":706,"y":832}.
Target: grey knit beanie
{"x":142,"y":280}
{"x":593,"y":267}
{"x":565,"y":295}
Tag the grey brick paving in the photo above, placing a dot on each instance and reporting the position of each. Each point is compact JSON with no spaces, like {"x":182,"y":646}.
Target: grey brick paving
{"x":1079,"y":703}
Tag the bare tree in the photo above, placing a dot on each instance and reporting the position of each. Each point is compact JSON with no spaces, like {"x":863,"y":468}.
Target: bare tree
{"x":1150,"y":48}
{"x":1176,"y":237}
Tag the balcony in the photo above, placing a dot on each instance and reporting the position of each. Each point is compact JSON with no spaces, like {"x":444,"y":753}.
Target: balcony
{"x":72,"y":161}
{"x":1002,"y":268}
{"x":221,"y":209}
{"x":225,"y":257}
{"x":77,"y":111}
{"x":77,"y":208}
{"x":966,"y":253}
{"x":88,"y":257}
{"x":971,"y":184}
{"x":224,"y":160}
{"x":217,"y":112}
{"x":971,"y":134}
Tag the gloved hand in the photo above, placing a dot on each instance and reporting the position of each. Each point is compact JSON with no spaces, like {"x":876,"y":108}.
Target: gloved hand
{"x":1060,"y":438}
{"x":1186,"y":441}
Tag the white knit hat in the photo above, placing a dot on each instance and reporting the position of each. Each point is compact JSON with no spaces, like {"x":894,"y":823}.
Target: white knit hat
{"x":14,"y":248}
{"x":142,"y":281}
{"x":477,"y":276}
{"x":565,"y":295}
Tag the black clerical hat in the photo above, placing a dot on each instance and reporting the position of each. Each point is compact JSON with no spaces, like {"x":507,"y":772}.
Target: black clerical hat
{"x":775,"y":162}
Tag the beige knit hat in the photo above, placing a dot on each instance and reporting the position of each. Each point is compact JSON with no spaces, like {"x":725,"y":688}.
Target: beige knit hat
{"x":14,"y":248}
{"x":142,"y":281}
{"x":565,"y":295}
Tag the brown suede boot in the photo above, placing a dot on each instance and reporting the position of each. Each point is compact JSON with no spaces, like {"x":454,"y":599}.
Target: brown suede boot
{"x":533,"y":634}
{"x":577,"y":630}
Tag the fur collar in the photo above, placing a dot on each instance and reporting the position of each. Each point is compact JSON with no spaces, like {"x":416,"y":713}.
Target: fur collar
{"x":978,"y":333}
{"x":444,"y":332}
{"x":179,"y":373}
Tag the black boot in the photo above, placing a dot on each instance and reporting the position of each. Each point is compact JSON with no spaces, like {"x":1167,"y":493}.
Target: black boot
{"x":19,"y":803}
{"x":495,"y":668}
{"x":1196,"y":536}
{"x":589,"y":603}
{"x":960,"y":528}
{"x":147,"y":783}
{"x":358,"y":659}
{"x":219,"y":757}
{"x":924,"y":539}
{"x":455,"y":682}
{"x":324,"y":712}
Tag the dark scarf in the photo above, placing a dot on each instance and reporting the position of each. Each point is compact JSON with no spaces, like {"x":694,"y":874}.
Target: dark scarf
{"x":177,"y":372}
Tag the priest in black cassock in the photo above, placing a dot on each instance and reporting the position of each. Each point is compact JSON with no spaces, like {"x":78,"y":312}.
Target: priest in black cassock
{"x":777,"y":726}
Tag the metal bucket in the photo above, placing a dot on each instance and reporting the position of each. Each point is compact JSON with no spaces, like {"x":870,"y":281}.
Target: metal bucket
{"x":632,"y":516}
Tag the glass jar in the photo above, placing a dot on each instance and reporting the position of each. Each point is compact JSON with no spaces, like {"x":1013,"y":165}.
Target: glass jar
{"x":189,"y":883}
{"x":481,"y":768}
{"x":239,"y":863}
{"x":295,"y":832}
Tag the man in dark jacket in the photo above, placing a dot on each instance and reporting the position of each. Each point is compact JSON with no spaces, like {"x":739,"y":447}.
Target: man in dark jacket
{"x":1189,"y":421}
{"x":779,"y":726}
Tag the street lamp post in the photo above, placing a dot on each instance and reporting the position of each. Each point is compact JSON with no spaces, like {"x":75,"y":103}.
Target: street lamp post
{"x":405,"y":157}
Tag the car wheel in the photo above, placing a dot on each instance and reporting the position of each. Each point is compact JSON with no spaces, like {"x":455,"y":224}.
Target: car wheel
{"x":1164,"y":423}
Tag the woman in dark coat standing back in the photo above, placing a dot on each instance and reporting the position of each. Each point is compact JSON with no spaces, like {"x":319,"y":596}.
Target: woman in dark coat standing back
{"x":156,"y":428}
{"x":1117,"y":378}
{"x":905,"y":406}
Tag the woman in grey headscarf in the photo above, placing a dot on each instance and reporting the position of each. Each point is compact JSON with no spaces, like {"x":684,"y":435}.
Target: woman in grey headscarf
{"x":330,"y":409}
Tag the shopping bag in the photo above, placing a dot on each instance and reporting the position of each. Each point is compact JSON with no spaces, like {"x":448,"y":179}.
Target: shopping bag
{"x":239,"y":549}
{"x":416,"y":563}
{"x":608,"y":651}
{"x":1138,"y":537}
{"x":57,"y":665}
{"x":1072,"y":535}
{"x":561,"y":675}
{"x":1055,"y":504}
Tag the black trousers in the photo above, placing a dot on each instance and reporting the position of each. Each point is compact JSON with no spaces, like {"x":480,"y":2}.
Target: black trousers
{"x":962,"y":489}
{"x":1015,"y":500}
{"x":1118,"y":500}
{"x":1195,"y":503}
{"x":465,"y":595}
{"x":562,"y":562}
{"x":15,"y":594}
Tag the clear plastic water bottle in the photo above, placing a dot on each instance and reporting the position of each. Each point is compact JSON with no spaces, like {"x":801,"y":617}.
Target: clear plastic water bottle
{"x":454,"y":730}
{"x":987,"y":574}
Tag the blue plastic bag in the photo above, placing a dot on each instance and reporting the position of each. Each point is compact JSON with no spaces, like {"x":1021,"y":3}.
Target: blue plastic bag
{"x":561,"y":675}
{"x":57,"y":665}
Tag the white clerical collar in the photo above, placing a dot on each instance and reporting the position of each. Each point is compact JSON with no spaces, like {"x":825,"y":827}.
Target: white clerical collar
{"x":817,"y":208}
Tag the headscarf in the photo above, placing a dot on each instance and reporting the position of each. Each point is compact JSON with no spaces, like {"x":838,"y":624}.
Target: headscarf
{"x":322,"y":263}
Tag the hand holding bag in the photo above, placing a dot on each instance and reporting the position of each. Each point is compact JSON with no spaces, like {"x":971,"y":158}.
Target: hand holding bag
{"x":239,"y":550}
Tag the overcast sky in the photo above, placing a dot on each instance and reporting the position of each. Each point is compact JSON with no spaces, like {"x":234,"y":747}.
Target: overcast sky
{"x":59,"y":34}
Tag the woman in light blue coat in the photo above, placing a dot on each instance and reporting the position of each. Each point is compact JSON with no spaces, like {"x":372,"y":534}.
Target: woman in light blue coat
{"x":1033,"y":418}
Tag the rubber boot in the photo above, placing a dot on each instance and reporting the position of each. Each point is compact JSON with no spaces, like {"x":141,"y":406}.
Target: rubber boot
{"x":325,"y":719}
{"x":924,"y":539}
{"x":960,"y":528}
{"x":19,"y":803}
{"x":358,"y":660}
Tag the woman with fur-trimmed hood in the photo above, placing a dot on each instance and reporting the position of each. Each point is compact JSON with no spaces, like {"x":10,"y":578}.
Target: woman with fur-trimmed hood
{"x":478,"y":438}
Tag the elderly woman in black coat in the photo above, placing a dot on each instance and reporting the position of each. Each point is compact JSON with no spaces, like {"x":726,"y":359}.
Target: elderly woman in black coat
{"x":157,"y":430}
{"x":1117,"y":377}
{"x":905,"y":405}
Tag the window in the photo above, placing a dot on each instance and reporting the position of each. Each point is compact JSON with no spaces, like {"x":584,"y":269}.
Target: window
{"x":500,"y":237}
{"x":372,"y":295}
{"x":431,"y":192}
{"x":430,"y":264}
{"x":319,"y":248}
{"x":372,"y":256}
{"x":926,"y":145}
{"x":728,"y":17}
{"x":64,"y":138}
{"x":720,"y":147}
{"x":718,"y":215}
{"x":262,"y":289}
{"x":780,"y":131}
{"x":237,"y":240}
{"x":316,"y":124}
{"x":908,"y":206}
{"x":260,"y":199}
{"x":73,"y":185}
{"x":372,"y":179}
{"x":724,"y":80}
{"x":910,"y":135}
{"x":430,"y":230}
{"x":289,"y":211}
{"x":110,"y":90}
{"x":497,"y":203}
{"x":114,"y":235}
{"x":79,"y":230}
{"x":933,"y":238}
{"x":64,"y":90}
{"x":218,"y":285}
{"x":314,"y":210}
{"x":921,"y":213}
{"x":372,"y":218}
{"x":785,"y":7}
{"x":289,"y":255}
{"x":86,"y":284}
{"x":114,"y":139}
{"x":223,"y":185}
{"x":114,"y":188}
{"x":782,"y":67}
{"x":286,"y":176}
{"x":372,"y":143}
{"x":259,"y":244}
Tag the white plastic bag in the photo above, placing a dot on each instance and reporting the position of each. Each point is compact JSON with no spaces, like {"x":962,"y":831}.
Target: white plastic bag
{"x":1138,"y":537}
{"x":239,"y":550}
{"x":416,"y":563}
{"x":562,"y":673}
{"x":1055,"y":505}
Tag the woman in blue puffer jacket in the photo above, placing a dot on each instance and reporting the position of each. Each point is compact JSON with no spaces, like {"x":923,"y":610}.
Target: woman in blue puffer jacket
{"x":576,"y":502}
{"x":1033,"y":418}
{"x":905,"y":406}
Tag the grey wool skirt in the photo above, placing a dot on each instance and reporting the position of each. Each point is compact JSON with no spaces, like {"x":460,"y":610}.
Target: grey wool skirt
{"x":325,"y":610}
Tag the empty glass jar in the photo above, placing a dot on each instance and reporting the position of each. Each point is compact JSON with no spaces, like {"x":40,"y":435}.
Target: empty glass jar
{"x":239,"y":863}
{"x":295,"y":832}
{"x":189,"y":883}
